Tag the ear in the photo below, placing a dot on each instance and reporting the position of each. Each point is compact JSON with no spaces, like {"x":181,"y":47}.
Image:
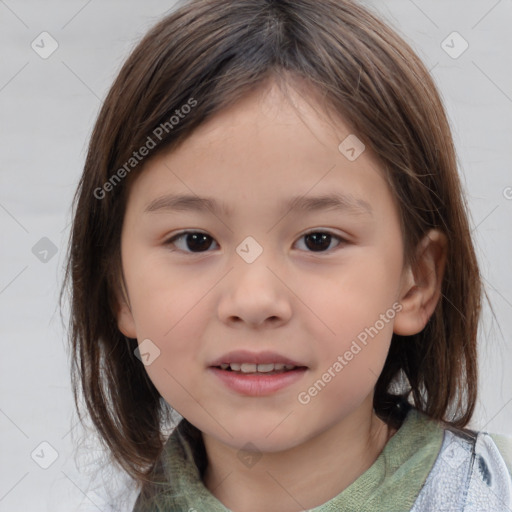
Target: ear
{"x":124,"y":316}
{"x":125,"y":322}
{"x":421,"y":286}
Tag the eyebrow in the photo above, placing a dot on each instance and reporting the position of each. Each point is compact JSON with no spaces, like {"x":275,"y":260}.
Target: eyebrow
{"x":333,"y":201}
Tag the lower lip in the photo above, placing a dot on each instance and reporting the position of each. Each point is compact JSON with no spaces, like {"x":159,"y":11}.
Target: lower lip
{"x":258,"y":385}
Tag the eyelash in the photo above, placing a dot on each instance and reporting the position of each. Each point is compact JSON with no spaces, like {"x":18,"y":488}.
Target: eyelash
{"x":183,"y":234}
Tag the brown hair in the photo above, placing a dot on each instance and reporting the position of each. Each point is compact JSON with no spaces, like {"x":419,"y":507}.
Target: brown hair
{"x":214,"y":52}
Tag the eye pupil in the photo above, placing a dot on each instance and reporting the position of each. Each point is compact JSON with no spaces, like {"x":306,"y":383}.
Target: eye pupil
{"x":319,"y":240}
{"x":196,"y":244}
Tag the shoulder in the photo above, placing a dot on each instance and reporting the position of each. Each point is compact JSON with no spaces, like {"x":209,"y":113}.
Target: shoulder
{"x":490,"y":481}
{"x":472,"y":471}
{"x":504,"y":446}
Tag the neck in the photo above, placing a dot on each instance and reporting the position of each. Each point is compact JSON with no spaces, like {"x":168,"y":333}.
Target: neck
{"x":299,"y":478}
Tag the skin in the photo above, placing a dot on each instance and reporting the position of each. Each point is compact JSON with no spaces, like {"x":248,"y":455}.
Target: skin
{"x":305,"y":304}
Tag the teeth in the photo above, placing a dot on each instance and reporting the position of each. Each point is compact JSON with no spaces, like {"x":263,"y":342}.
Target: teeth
{"x":253,"y":367}
{"x":266,"y":367}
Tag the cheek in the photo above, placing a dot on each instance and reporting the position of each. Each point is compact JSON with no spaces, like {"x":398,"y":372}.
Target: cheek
{"x":351,"y":353}
{"x":163,"y":295}
{"x":170,"y":309}
{"x":352,"y":296}
{"x":351,"y":315}
{"x":174,"y":315}
{"x":176,"y":327}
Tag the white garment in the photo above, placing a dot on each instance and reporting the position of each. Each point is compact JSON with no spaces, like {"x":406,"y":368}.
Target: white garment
{"x":469,"y":475}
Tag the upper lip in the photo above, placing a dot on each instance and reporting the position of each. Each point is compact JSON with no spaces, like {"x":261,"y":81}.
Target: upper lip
{"x":245,"y":356}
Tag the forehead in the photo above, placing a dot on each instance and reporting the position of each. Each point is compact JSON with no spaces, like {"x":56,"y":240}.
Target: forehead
{"x":268,"y":148}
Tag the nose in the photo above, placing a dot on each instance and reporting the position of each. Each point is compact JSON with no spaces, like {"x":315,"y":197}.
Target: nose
{"x":254,"y":294}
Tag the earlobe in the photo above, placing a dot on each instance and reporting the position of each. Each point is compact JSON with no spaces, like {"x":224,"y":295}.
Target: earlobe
{"x":125,"y":321}
{"x":421,"y":289}
{"x":124,"y":315}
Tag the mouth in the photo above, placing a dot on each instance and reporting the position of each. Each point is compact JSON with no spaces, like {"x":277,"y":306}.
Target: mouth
{"x":258,"y":380}
{"x":258,"y":369}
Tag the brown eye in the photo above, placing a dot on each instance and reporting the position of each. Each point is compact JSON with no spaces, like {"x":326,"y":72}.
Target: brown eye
{"x":194,"y":241}
{"x":319,"y":241}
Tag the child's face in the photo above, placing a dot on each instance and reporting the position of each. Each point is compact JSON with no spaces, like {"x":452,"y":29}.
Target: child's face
{"x":198,"y":300}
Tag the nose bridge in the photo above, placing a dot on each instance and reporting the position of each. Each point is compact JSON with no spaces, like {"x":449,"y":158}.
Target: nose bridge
{"x":253,"y":293}
{"x":250,"y":250}
{"x":252,"y":263}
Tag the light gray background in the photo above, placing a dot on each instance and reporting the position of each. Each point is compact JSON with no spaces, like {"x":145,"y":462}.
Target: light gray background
{"x":47,"y":110}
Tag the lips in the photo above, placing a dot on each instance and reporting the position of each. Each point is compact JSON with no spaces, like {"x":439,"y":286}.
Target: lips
{"x":257,"y":384}
{"x":268,"y":368}
{"x":241,"y":360}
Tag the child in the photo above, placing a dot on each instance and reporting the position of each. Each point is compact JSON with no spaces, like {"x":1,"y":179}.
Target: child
{"x":320,"y":341}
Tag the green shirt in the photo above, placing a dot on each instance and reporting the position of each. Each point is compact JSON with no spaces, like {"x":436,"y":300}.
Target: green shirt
{"x":412,"y":461}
